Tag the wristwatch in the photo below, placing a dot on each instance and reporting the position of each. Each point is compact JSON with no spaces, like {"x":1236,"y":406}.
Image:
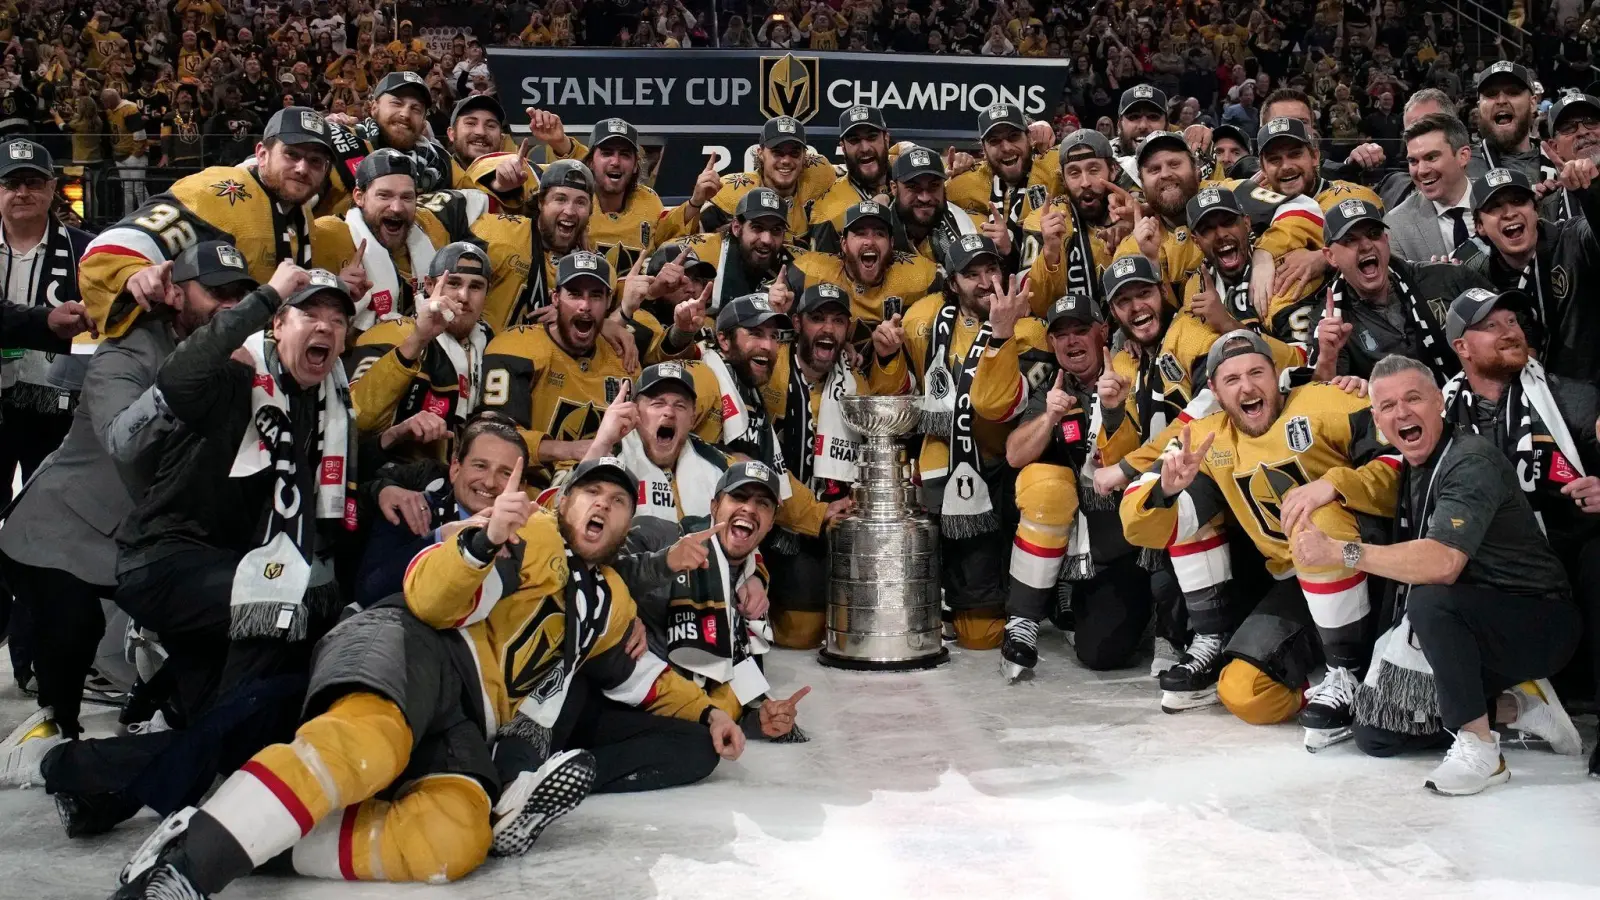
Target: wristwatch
{"x":1352,"y":554}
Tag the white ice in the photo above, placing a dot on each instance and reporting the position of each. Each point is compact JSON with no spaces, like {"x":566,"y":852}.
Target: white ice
{"x":952,"y":784}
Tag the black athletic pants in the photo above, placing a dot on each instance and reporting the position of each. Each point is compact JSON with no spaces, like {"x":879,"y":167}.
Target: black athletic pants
{"x":634,"y":750}
{"x":68,"y":623}
{"x":1109,"y":612}
{"x":26,"y":438}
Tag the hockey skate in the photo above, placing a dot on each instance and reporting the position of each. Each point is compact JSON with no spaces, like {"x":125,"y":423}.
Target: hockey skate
{"x":535,"y":799}
{"x":156,"y":869}
{"x":1192,"y":683}
{"x":1019,"y":652}
{"x":24,"y":749}
{"x":1328,"y":717}
{"x":1165,"y":657}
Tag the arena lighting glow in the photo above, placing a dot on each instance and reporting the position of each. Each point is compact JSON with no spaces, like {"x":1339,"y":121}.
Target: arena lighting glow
{"x":72,"y":192}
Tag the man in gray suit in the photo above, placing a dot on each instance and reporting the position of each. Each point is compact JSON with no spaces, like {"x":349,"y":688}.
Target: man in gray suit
{"x":56,"y":549}
{"x":1437,"y":217}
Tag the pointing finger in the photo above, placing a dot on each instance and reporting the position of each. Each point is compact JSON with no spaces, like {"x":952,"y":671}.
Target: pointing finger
{"x":1105,"y":356}
{"x":514,"y":480}
{"x":1332,"y":311}
{"x":1061,"y":379}
{"x":526,"y":149}
{"x":709,"y":533}
{"x":1205,"y":446}
{"x":361,"y":251}
{"x":799,"y":695}
{"x":711,"y":163}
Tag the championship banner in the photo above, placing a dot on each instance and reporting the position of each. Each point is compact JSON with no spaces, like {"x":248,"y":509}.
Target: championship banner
{"x":700,"y":102}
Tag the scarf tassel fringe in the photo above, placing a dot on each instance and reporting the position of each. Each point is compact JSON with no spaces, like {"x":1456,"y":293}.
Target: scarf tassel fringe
{"x":1405,"y":701}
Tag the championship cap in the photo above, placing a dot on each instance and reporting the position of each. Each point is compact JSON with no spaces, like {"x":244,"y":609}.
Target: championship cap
{"x":866,"y":209}
{"x":403,"y":81}
{"x":461,"y":258}
{"x":1135,"y":268}
{"x":1283,"y":128}
{"x":1494,"y":182}
{"x":670,"y":373}
{"x":917,"y":161}
{"x":690,"y":261}
{"x":298,"y":125}
{"x":751,"y":311}
{"x":1142,"y":95}
{"x":965,"y":250}
{"x":762,"y":203}
{"x":582,"y":264}
{"x":1475,"y":304}
{"x":22,"y":155}
{"x":614,"y":129}
{"x":1001,"y":114}
{"x":1345,"y":215}
{"x":604,"y":468}
{"x":783,"y":130}
{"x":1159,"y":140}
{"x":752,"y":471}
{"x":1211,"y":200}
{"x":567,"y":173}
{"x":1074,"y":307}
{"x":322,"y":282}
{"x":381,"y":162}
{"x":484,"y":102}
{"x":1239,"y":342}
{"x":820,"y":295}
{"x":1572,"y":100}
{"x":861,"y":117}
{"x":1504,"y":69}
{"x":1086,"y":143}
{"x":1230,"y":132}
{"x":213,"y":264}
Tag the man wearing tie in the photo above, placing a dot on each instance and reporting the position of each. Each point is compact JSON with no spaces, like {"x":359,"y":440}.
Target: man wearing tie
{"x":1437,"y":217}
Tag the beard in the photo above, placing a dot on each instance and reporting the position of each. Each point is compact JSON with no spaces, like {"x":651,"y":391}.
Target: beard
{"x":1505,"y":138}
{"x":1173,"y":210}
{"x":1274,"y":405}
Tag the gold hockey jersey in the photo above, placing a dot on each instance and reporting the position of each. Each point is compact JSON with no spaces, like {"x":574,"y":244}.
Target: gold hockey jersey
{"x":524,"y":273}
{"x":815,"y":181}
{"x":906,"y":279}
{"x":632,"y":231}
{"x":220,"y":203}
{"x":386,"y":391}
{"x":1322,"y":433}
{"x":975,"y":189}
{"x":1046,"y":284}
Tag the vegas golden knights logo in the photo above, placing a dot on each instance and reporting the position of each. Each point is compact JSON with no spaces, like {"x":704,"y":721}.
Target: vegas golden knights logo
{"x":1265,"y":487}
{"x":790,"y":86}
{"x":273,"y":570}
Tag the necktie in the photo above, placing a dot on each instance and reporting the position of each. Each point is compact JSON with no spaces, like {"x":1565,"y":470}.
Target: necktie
{"x":1459,"y":217}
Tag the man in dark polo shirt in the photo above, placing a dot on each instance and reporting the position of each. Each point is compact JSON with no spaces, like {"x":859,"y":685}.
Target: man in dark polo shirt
{"x":1482,"y":594}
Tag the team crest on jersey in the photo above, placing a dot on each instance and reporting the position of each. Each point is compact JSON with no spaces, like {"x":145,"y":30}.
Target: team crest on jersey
{"x":231,"y":190}
{"x":739,"y":180}
{"x":1038,"y":195}
{"x":1437,"y":306}
{"x":1170,"y":368}
{"x":1559,"y":282}
{"x":1298,"y":434}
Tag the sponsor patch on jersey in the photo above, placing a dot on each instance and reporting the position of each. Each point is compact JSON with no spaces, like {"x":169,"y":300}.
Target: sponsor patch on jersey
{"x":1561,"y":471}
{"x":1170,"y":368}
{"x":1297,"y":433}
{"x":382,"y":303}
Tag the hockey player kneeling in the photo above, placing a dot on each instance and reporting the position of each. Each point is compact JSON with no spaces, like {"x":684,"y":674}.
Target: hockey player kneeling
{"x":1270,"y":462}
{"x":392,"y":777}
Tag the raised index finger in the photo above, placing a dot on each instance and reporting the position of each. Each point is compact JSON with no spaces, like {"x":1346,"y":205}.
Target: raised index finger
{"x":799,"y":695}
{"x":526,"y":149}
{"x":709,"y":533}
{"x":514,"y":480}
{"x":361,"y":251}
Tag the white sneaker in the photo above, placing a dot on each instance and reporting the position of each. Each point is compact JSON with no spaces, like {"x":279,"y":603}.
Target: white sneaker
{"x":1166,"y":657}
{"x":1470,"y":765}
{"x":24,"y":749}
{"x":1539,"y":713}
{"x":535,"y":799}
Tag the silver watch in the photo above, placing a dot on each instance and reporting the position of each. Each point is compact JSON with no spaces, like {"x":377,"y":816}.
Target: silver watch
{"x":1352,"y":554}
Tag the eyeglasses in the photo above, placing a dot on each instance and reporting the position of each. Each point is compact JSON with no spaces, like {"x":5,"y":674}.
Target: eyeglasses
{"x":18,"y":182}
{"x":1573,"y":124}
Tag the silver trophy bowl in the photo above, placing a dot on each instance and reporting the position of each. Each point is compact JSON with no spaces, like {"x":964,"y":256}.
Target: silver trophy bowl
{"x":886,"y":417}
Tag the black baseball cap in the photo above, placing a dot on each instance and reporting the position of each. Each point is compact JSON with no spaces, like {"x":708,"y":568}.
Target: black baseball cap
{"x":1504,"y":69}
{"x":783,"y":130}
{"x":1345,"y":215}
{"x":322,"y":282}
{"x":582,"y":264}
{"x":670,"y":373}
{"x":917,"y":161}
{"x":751,"y":311}
{"x":1494,"y":182}
{"x":1283,"y":128}
{"x":381,"y":162}
{"x":1475,"y":304}
{"x":1211,"y":200}
{"x":866,"y":209}
{"x":861,"y":117}
{"x":1001,"y":114}
{"x":685,"y":256}
{"x":1231,"y":132}
{"x":1074,"y":145}
{"x":1159,"y":140}
{"x":1571,"y":100}
{"x":298,"y":125}
{"x":614,"y":129}
{"x":1125,"y":270}
{"x":1142,"y":95}
{"x":966,"y":250}
{"x":213,"y":264}
{"x":762,"y":203}
{"x":1073,"y":307}
{"x":462,"y":258}
{"x":483,"y":102}
{"x":1239,"y":342}
{"x":403,"y":80}
{"x":820,"y":295}
{"x":567,"y":173}
{"x":603,"y":468}
{"x":23,"y":155}
{"x":751,"y":471}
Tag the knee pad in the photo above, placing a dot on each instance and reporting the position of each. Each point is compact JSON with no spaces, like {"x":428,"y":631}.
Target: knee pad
{"x":436,"y":831}
{"x":979,"y":629}
{"x":1047,"y":494}
{"x":1255,"y":697}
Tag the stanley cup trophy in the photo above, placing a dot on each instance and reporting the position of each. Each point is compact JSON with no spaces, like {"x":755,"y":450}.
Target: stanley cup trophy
{"x":883,"y":589}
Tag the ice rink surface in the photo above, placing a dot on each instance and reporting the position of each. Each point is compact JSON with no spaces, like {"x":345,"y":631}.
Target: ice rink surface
{"x":951,"y":784}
